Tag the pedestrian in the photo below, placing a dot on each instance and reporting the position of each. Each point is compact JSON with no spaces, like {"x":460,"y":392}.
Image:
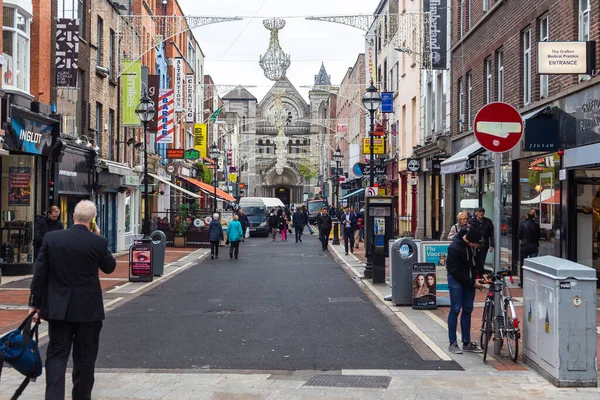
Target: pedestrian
{"x":529,"y":235}
{"x":283,"y":225}
{"x":245,"y":223}
{"x":298,"y":222}
{"x":234,"y":236}
{"x":324,"y":223}
{"x":65,"y":291}
{"x":463,"y":274}
{"x":305,"y":212}
{"x":349,"y":222}
{"x":357,"y":227}
{"x":273,"y":223}
{"x":463,"y":223}
{"x":279,"y":211}
{"x":486,"y":228}
{"x":215,"y":235}
{"x":45,"y":224}
{"x":361,"y":218}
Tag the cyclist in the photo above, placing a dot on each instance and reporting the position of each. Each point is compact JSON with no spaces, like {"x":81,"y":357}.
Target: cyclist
{"x":462,"y":272}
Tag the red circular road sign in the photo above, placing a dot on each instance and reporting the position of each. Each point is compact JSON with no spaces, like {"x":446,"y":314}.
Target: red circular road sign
{"x":498,"y":127}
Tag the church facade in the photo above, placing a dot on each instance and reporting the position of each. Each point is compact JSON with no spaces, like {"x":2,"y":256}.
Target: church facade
{"x":302,"y":173}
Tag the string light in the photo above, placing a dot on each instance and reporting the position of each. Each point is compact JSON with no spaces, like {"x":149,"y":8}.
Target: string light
{"x":275,"y":62}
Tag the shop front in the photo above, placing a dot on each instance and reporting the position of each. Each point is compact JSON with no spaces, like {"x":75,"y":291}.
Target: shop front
{"x":110,"y":179}
{"x":75,"y":179}
{"x":24,"y":188}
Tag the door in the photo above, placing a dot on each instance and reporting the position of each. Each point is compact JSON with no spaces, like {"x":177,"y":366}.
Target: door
{"x":111,"y":221}
{"x":283,"y":194}
{"x":587,"y":219}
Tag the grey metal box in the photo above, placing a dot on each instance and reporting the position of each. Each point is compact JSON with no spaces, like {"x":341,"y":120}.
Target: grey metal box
{"x":559,"y":327}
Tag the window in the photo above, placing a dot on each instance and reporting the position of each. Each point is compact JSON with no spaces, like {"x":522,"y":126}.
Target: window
{"x":488,"y":81}
{"x":469,"y":99}
{"x":429,"y":110}
{"x":414,"y":121}
{"x":500,"y":74}
{"x":397,"y":77}
{"x":384,"y":77}
{"x":439,"y":103}
{"x":15,"y":49}
{"x":487,"y":4}
{"x":527,"y":67}
{"x":112,"y":55}
{"x":584,"y":20}
{"x":98,"y":125}
{"x":544,"y":38}
{"x":99,"y":41}
{"x":73,"y":9}
{"x":461,"y":20}
{"x":391,"y":74}
{"x":111,"y":133}
{"x":403,"y":133}
{"x":461,"y":103}
{"x":469,"y":14}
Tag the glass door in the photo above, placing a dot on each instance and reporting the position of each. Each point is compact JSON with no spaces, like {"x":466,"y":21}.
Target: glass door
{"x":587,"y":201}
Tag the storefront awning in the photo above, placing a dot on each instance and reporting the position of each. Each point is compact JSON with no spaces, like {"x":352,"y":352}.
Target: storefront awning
{"x":543,"y":197}
{"x":186,"y":192}
{"x":458,"y":162}
{"x":359,"y":191}
{"x":115,"y":167}
{"x":209,"y":189}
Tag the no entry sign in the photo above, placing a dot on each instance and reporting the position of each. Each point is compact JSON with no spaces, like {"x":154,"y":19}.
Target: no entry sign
{"x":498,"y":127}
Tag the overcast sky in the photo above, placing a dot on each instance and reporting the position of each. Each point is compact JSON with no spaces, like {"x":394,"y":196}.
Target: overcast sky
{"x":232,"y":49}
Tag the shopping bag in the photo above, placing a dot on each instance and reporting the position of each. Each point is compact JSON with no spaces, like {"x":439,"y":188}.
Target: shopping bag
{"x":247,"y":235}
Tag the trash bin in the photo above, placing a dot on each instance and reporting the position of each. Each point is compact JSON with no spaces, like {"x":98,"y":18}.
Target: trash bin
{"x":559,"y":321}
{"x":159,"y":244}
{"x":404,"y":254}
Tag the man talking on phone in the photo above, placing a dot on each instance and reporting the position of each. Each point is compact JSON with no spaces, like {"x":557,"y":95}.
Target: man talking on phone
{"x":65,"y":290}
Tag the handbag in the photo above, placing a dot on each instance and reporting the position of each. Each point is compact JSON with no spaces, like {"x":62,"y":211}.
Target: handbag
{"x":19,"y":349}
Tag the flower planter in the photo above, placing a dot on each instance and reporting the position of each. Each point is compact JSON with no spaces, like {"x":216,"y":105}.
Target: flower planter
{"x":179,"y":241}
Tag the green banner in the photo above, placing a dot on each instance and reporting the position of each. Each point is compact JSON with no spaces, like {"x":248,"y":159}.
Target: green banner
{"x":131,"y":92}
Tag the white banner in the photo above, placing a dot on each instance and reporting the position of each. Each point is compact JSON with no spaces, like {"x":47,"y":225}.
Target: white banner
{"x":370,"y":58}
{"x":178,"y":87}
{"x":190,"y":101}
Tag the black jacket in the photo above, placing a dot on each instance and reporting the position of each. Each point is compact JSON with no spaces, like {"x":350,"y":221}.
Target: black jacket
{"x":529,"y":232}
{"x":273,"y":221}
{"x":65,"y":284}
{"x":461,"y":261}
{"x":487,"y":231}
{"x":44,"y":225}
{"x":243,"y":218}
{"x":324,"y":222}
{"x":298,"y":220}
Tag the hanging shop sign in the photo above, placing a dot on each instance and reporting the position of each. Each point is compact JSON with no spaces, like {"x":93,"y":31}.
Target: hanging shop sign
{"x":387,"y":102}
{"x":178,"y":85}
{"x":191,"y":154}
{"x":73,"y":172}
{"x":438,"y":34}
{"x":541,"y":135}
{"x":153,"y":89}
{"x":67,"y":52}
{"x":370,"y":55}
{"x":131,"y":87}
{"x":175,"y":154}
{"x":29,"y":136}
{"x":413,"y":165}
{"x":378,"y":146}
{"x":556,"y":58}
{"x":190,"y":99}
{"x":165,"y":132}
{"x":200,"y":133}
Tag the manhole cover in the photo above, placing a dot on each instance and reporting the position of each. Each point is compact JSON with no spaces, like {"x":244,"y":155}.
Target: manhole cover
{"x":223,"y":312}
{"x":345,"y":300}
{"x":350,"y":381}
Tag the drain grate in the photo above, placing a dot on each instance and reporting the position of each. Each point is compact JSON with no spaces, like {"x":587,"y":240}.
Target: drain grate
{"x":345,"y":300}
{"x":223,"y":312}
{"x":350,"y":381}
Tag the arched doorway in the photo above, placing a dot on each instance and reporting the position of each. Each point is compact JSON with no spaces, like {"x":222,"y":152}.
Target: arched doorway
{"x":283,"y":194}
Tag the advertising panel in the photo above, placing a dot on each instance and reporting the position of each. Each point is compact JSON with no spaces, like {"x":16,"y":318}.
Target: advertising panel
{"x":140,"y":261}
{"x":67,"y":52}
{"x":19,"y":186}
{"x":424,"y":286}
{"x":378,"y":146}
{"x":437,"y":253}
{"x":438,"y":32}
{"x":165,"y":132}
{"x":131,"y":89}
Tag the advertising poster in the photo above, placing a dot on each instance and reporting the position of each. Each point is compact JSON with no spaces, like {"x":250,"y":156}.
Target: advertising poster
{"x":141,"y":261}
{"x":19,"y":186}
{"x":436,"y":253}
{"x":423,"y":286}
{"x":131,"y":89}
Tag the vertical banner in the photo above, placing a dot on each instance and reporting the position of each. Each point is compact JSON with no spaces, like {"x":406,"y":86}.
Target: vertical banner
{"x":165,"y":132}
{"x":19,"y":186}
{"x":153,"y":85}
{"x":438,"y":29}
{"x":200,"y":138}
{"x":370,"y":58}
{"x":131,"y":90}
{"x":190,"y":101}
{"x":178,"y":88}
{"x":67,"y":52}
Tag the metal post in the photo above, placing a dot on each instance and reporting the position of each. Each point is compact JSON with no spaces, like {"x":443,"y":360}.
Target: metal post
{"x":336,"y":222}
{"x":369,"y":234}
{"x":215,"y":183}
{"x":497,"y":248}
{"x":146,"y":225}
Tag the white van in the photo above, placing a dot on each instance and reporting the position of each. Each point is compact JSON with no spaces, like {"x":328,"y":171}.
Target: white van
{"x":257,"y":209}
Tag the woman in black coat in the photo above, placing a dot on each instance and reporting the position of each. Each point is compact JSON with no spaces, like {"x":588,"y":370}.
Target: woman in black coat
{"x":215,"y":235}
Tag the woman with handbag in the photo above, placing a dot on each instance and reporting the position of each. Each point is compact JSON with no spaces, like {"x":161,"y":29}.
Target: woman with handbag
{"x":234,"y":236}
{"x":283,"y":225}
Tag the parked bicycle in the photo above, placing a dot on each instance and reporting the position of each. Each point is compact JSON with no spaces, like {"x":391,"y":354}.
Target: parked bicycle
{"x":501,"y":323}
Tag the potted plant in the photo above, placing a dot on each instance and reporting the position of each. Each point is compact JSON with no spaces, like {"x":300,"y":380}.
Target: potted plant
{"x":181,"y":226}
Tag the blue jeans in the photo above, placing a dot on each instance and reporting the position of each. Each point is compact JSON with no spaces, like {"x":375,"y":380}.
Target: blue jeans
{"x":460,"y":298}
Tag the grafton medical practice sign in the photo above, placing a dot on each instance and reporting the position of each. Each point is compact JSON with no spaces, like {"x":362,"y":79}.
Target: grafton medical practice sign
{"x":566,"y":57}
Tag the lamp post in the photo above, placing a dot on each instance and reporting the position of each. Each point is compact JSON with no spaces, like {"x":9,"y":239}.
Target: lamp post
{"x":337,"y":157}
{"x":371,"y":100}
{"x":215,"y":153}
{"x":145,"y":112}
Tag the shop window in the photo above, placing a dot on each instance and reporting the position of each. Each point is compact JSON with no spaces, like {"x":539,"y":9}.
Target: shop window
{"x":15,"y":48}
{"x":128,"y":210}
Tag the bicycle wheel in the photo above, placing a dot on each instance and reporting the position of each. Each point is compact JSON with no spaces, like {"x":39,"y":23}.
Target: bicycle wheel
{"x":511,"y":326}
{"x":488,"y":332}
{"x":486,"y":307}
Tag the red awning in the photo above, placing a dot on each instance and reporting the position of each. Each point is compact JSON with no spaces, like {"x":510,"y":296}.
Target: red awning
{"x":554,"y":199}
{"x":209,"y":189}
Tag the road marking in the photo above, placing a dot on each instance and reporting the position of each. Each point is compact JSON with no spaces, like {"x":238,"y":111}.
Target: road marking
{"x":113,"y":301}
{"x":187,"y":264}
{"x":119,"y":287}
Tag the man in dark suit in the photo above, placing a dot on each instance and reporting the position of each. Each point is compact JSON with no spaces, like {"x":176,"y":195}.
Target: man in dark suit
{"x":66,"y":292}
{"x":298,"y":221}
{"x":324,"y":223}
{"x":486,"y":227}
{"x":349,"y":223}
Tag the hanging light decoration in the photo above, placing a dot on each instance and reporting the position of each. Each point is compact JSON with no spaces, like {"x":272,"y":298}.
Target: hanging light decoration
{"x":275,"y":62}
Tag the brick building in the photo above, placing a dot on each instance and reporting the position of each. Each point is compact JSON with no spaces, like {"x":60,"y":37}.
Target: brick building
{"x":494,"y":58}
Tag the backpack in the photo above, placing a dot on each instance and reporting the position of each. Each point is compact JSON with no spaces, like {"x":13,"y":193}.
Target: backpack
{"x":19,"y":349}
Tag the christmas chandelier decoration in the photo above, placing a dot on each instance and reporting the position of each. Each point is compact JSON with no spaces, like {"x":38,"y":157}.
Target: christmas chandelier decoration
{"x":278,"y":118}
{"x":275,"y":62}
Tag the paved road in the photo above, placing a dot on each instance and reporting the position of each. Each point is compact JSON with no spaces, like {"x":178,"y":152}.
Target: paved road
{"x":281,"y":306}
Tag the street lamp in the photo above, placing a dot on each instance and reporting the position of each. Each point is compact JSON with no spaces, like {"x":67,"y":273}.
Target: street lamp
{"x":371,"y":100}
{"x":337,"y":157}
{"x":215,"y":153}
{"x":145,"y":112}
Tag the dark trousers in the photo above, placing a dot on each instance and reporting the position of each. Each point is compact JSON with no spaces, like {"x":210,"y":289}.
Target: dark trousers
{"x":348,"y":236}
{"x":526,"y":251}
{"x":214,"y":248}
{"x":84,"y":337}
{"x":324,"y":238}
{"x":234,"y":248}
{"x":480,"y":256}
{"x":298,"y":234}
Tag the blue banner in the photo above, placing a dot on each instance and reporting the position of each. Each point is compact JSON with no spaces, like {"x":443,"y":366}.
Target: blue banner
{"x":387,"y":102}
